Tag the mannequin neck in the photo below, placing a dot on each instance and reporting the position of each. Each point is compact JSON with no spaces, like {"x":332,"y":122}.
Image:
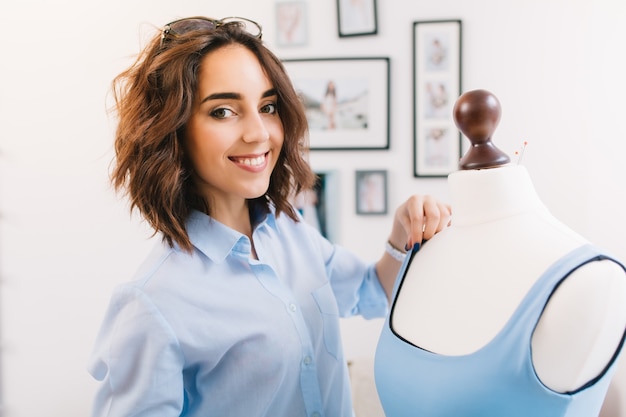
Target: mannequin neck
{"x":483,"y":195}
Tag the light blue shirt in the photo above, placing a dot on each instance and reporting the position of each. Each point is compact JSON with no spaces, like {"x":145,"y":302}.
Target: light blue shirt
{"x":217,"y":333}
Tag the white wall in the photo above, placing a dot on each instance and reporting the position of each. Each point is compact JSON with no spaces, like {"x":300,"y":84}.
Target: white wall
{"x":66,"y":240}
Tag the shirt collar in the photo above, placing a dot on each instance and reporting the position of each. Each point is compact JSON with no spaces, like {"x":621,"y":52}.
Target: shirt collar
{"x":216,"y":240}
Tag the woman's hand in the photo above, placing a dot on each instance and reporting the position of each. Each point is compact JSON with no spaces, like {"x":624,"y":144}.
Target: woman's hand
{"x":417,"y":219}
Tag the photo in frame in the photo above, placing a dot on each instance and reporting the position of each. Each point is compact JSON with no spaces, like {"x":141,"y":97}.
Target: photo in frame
{"x":371,"y":192}
{"x":346,"y":101}
{"x":436,"y":86}
{"x":357,"y":18}
{"x":318,"y":206}
{"x":291,"y":23}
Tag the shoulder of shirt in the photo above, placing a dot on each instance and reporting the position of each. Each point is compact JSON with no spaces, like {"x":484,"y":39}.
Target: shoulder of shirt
{"x":159,"y":254}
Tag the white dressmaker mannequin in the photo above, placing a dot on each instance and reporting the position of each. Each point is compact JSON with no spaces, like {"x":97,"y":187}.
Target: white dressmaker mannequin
{"x":464,"y":284}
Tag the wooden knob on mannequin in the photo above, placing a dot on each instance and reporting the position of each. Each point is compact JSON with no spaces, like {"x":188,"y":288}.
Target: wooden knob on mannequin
{"x":476,"y":114}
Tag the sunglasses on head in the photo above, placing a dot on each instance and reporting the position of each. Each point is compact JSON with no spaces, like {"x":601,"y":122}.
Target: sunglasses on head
{"x":188,"y":24}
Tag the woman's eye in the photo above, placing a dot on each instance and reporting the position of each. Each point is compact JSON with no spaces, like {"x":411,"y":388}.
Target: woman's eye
{"x":269,"y":108}
{"x":221,"y":113}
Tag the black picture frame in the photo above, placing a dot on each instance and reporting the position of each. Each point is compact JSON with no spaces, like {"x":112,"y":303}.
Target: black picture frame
{"x":437,"y":46}
{"x":371,"y":192}
{"x":358,"y":19}
{"x":357,"y":118}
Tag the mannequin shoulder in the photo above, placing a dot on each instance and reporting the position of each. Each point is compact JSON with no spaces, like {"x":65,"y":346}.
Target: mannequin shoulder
{"x":581,"y":327}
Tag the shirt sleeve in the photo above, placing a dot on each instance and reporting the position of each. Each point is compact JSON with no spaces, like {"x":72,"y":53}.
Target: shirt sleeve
{"x":356,"y":285}
{"x":137,"y":359}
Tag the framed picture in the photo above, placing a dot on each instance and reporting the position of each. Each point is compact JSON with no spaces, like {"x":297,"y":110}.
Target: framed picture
{"x":291,"y":23}
{"x":357,"y":17}
{"x":318,"y":206}
{"x":371,"y":192}
{"x":436,"y":86}
{"x":346,"y":101}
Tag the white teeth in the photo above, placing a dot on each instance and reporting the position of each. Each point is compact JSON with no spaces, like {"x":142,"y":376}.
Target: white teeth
{"x":259,"y":160}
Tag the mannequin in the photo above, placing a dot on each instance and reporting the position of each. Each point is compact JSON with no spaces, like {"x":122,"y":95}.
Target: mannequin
{"x":461,"y":292}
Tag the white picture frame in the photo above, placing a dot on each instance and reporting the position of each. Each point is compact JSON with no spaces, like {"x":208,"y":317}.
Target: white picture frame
{"x":355,"y":114}
{"x":436,"y":86}
{"x":291,"y":23}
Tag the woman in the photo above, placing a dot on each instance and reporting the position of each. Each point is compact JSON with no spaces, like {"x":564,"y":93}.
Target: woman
{"x":329,"y":105}
{"x":236,"y":312}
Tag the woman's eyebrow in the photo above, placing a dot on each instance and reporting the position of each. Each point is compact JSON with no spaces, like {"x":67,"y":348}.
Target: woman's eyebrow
{"x":269,"y":93}
{"x":222,"y":96}
{"x":235,"y":96}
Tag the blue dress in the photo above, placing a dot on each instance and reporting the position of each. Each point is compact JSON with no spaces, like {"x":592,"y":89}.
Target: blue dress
{"x":496,"y":381}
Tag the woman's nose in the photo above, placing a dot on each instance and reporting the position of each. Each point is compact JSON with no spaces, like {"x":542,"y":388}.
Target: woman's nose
{"x":255,"y":129}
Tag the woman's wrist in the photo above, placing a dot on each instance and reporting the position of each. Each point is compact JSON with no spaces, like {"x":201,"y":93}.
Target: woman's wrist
{"x":395,"y":252}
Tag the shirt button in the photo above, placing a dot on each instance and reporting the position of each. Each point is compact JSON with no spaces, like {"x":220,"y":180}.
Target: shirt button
{"x":292,"y":307}
{"x":307,"y":360}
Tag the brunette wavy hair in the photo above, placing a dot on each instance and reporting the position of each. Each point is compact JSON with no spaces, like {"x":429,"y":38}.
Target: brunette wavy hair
{"x":153,"y":101}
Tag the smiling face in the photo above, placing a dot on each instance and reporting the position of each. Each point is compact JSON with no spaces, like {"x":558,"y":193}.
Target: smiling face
{"x":234,"y":136}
